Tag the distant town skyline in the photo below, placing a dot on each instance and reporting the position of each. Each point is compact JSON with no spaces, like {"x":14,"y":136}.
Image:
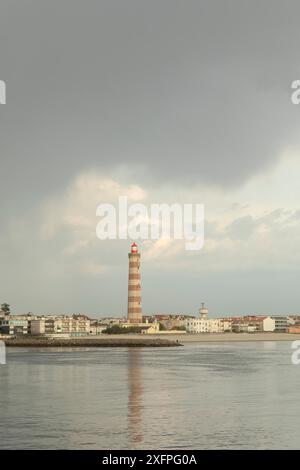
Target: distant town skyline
{"x":162,"y":102}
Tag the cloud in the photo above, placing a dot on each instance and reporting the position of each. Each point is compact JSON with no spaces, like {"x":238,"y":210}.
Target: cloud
{"x":161,"y":101}
{"x":237,"y":235}
{"x":75,"y":208}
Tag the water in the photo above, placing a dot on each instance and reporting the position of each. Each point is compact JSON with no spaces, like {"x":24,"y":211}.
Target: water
{"x":201,"y":396}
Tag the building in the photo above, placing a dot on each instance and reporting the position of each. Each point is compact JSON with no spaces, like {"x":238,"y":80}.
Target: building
{"x":200,"y":325}
{"x":134,"y":309}
{"x":252,"y":324}
{"x":170,"y":321}
{"x":38,"y":326}
{"x":109,"y":321}
{"x":96,"y":328}
{"x":294,"y":324}
{"x":281,"y":323}
{"x":294,"y":320}
{"x":204,"y":324}
{"x":14,"y":325}
{"x":294,"y":329}
{"x":75,"y":326}
{"x":227,"y":324}
{"x":150,"y":329}
{"x":268,"y":324}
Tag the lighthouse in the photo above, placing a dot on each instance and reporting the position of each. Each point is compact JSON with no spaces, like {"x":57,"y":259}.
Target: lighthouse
{"x":134,"y":311}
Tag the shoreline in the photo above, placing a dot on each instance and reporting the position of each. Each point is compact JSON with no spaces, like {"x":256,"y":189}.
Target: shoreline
{"x":155,"y":340}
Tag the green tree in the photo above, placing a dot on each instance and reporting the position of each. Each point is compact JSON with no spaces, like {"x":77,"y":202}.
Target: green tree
{"x":5,"y":308}
{"x":118,"y":329}
{"x":179,"y":328}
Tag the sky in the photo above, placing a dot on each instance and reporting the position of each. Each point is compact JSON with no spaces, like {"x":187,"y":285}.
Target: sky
{"x":163,"y":102}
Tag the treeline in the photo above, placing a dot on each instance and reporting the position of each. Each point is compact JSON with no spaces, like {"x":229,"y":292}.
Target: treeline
{"x":118,"y":329}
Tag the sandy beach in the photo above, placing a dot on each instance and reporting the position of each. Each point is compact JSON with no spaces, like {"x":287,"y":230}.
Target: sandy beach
{"x":185,"y":338}
{"x":231,"y":337}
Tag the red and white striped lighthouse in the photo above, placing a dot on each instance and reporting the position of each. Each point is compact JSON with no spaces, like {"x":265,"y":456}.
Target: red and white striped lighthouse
{"x":134,"y":311}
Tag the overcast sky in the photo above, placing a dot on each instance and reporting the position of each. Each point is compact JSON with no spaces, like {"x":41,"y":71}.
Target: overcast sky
{"x":162,"y":101}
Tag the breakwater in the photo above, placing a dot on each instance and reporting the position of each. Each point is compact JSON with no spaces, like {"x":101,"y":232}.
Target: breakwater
{"x":90,"y":343}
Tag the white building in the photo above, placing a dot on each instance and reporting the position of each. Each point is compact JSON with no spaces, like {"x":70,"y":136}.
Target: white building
{"x":268,"y":324}
{"x":200,"y":325}
{"x":203,"y":324}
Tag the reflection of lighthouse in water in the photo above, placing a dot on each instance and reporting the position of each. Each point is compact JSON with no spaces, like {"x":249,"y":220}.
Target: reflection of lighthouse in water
{"x":134,"y":312}
{"x":135,"y":397}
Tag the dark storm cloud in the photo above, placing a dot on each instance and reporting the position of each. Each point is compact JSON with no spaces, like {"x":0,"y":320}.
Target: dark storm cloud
{"x":188,"y":90}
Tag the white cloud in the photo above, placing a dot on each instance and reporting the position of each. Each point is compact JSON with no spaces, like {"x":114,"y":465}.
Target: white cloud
{"x":76,"y":207}
{"x":255,"y":226}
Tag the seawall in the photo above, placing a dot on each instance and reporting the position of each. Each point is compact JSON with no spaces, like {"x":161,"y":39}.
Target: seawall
{"x":91,"y":343}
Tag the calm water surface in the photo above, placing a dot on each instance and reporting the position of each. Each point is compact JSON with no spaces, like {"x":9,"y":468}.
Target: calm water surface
{"x":203,"y":396}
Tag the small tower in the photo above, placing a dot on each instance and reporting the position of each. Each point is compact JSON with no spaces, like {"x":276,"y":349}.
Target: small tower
{"x":134,"y":311}
{"x":203,"y":312}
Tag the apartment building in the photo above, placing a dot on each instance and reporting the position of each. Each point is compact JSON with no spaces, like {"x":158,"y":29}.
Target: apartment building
{"x":14,"y":325}
{"x":77,"y":325}
{"x":252,"y":324}
{"x":281,"y":323}
{"x":200,"y":325}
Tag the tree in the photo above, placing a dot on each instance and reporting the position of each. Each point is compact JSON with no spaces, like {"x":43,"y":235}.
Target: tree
{"x":5,"y":308}
{"x":119,"y":329}
{"x":179,"y":328}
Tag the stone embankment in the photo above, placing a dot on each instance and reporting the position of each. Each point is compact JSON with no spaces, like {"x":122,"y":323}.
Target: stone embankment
{"x":90,"y":343}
